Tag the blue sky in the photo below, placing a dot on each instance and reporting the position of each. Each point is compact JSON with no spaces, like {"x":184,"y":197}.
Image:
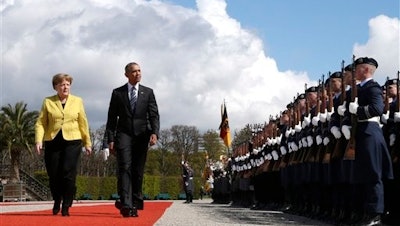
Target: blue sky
{"x":254,"y":54}
{"x":297,"y":34}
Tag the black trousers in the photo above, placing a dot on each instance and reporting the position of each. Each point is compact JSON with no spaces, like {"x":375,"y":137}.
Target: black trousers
{"x":61,"y":159}
{"x":131,"y":159}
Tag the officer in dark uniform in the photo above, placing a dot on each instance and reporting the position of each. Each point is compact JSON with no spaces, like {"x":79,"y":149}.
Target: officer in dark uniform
{"x":372,"y":160}
{"x":187,"y":176}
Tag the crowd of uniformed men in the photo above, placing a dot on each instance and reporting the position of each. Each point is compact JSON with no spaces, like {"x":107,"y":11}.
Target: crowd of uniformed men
{"x":332,"y":154}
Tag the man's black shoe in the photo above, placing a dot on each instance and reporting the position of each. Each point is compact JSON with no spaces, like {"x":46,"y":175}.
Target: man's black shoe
{"x":125,"y":211}
{"x":118,"y":204}
{"x":139,"y":204}
{"x":371,"y":221}
{"x":133,"y":212}
{"x":129,"y":212}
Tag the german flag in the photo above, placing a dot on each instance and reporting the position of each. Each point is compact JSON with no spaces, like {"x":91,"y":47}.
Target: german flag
{"x":225,"y":132}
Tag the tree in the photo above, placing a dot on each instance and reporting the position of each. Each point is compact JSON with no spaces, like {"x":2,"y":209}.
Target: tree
{"x":212,"y":144}
{"x":185,"y":140}
{"x":17,"y":133}
{"x":165,"y":143}
{"x":244,"y":135}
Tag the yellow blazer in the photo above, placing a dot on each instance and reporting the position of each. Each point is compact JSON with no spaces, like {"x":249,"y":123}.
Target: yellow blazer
{"x":71,"y":120}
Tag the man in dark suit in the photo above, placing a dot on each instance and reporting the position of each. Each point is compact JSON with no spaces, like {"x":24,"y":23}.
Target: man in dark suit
{"x":132,"y":125}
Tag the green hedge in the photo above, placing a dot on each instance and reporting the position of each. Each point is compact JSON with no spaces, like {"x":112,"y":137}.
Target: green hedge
{"x":104,"y":187}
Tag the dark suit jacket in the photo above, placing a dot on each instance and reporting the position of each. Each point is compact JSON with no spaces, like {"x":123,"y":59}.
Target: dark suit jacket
{"x":143,"y":121}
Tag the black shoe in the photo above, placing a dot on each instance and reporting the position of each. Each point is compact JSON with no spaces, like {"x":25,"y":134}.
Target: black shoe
{"x":129,"y":212}
{"x":372,"y":220}
{"x":65,"y":211}
{"x":56,"y":207}
{"x":118,"y":204}
{"x":139,"y":204}
{"x":133,"y":212}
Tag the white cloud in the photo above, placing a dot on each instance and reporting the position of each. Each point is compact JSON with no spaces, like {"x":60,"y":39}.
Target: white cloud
{"x":192,"y":59}
{"x":383,"y":45}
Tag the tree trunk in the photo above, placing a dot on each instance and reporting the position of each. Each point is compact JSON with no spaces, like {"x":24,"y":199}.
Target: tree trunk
{"x":15,"y":154}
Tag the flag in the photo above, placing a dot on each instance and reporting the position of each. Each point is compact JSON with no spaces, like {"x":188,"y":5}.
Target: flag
{"x":225,"y":132}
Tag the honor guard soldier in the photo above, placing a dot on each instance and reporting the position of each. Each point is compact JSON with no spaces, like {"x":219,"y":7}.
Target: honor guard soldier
{"x":372,"y":160}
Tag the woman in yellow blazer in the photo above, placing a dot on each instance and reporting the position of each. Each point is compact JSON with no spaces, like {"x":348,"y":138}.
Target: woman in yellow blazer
{"x":63,"y":127}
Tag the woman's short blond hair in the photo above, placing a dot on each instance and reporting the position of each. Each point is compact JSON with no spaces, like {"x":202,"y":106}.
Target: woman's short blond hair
{"x":60,"y":77}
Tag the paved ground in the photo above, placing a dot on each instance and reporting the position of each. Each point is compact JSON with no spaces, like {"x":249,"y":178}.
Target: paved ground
{"x":198,"y":213}
{"x":203,"y":212}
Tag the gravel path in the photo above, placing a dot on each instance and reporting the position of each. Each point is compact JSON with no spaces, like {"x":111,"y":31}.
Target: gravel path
{"x":204,"y":213}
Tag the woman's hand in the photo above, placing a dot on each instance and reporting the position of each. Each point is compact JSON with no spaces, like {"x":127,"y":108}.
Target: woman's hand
{"x":39,"y":147}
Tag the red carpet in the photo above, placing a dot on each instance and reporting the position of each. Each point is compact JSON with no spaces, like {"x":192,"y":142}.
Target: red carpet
{"x":103,"y":214}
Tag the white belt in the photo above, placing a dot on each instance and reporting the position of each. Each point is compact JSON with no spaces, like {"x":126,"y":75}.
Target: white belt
{"x":373,"y":119}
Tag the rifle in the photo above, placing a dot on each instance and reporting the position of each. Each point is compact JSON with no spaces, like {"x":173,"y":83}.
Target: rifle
{"x":293,"y":122}
{"x":395,"y":150}
{"x":312,"y":153}
{"x":338,"y":151}
{"x":326,"y":158}
{"x":275,"y":148}
{"x":350,"y":153}
{"x":323,"y":110}
{"x":304,"y":150}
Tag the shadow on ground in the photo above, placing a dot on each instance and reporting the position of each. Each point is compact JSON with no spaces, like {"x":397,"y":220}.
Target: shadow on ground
{"x":224,"y":213}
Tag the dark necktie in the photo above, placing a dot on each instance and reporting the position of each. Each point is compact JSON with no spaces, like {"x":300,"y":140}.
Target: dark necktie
{"x":133,"y":98}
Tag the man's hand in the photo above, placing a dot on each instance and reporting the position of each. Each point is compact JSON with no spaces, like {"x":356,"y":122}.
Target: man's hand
{"x":111,"y":148}
{"x":153,"y":139}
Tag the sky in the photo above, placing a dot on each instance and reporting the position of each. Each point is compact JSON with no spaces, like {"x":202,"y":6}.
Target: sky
{"x":255,"y":55}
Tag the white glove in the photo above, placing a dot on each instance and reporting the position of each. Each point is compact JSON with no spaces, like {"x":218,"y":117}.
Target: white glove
{"x":279,"y":139}
{"x":353,"y":106}
{"x":255,"y":151}
{"x":329,"y":115}
{"x":306,"y":121}
{"x":335,"y":131}
{"x":292,"y":132}
{"x":297,"y":127}
{"x":346,"y":131}
{"x":318,"y":139}
{"x":283,"y":150}
{"x":287,"y":132}
{"x":315,"y":120}
{"x":269,"y":141}
{"x":290,"y":146}
{"x":385,"y":117}
{"x":392,"y":139}
{"x":275,"y":155}
{"x":310,"y":141}
{"x":295,"y":147}
{"x":326,"y":141}
{"x":269,"y":156}
{"x":303,"y":124}
{"x":273,"y":141}
{"x":300,"y":145}
{"x":323,"y":117}
{"x":396,"y":117}
{"x":342,"y":109}
{"x":304,"y":142}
